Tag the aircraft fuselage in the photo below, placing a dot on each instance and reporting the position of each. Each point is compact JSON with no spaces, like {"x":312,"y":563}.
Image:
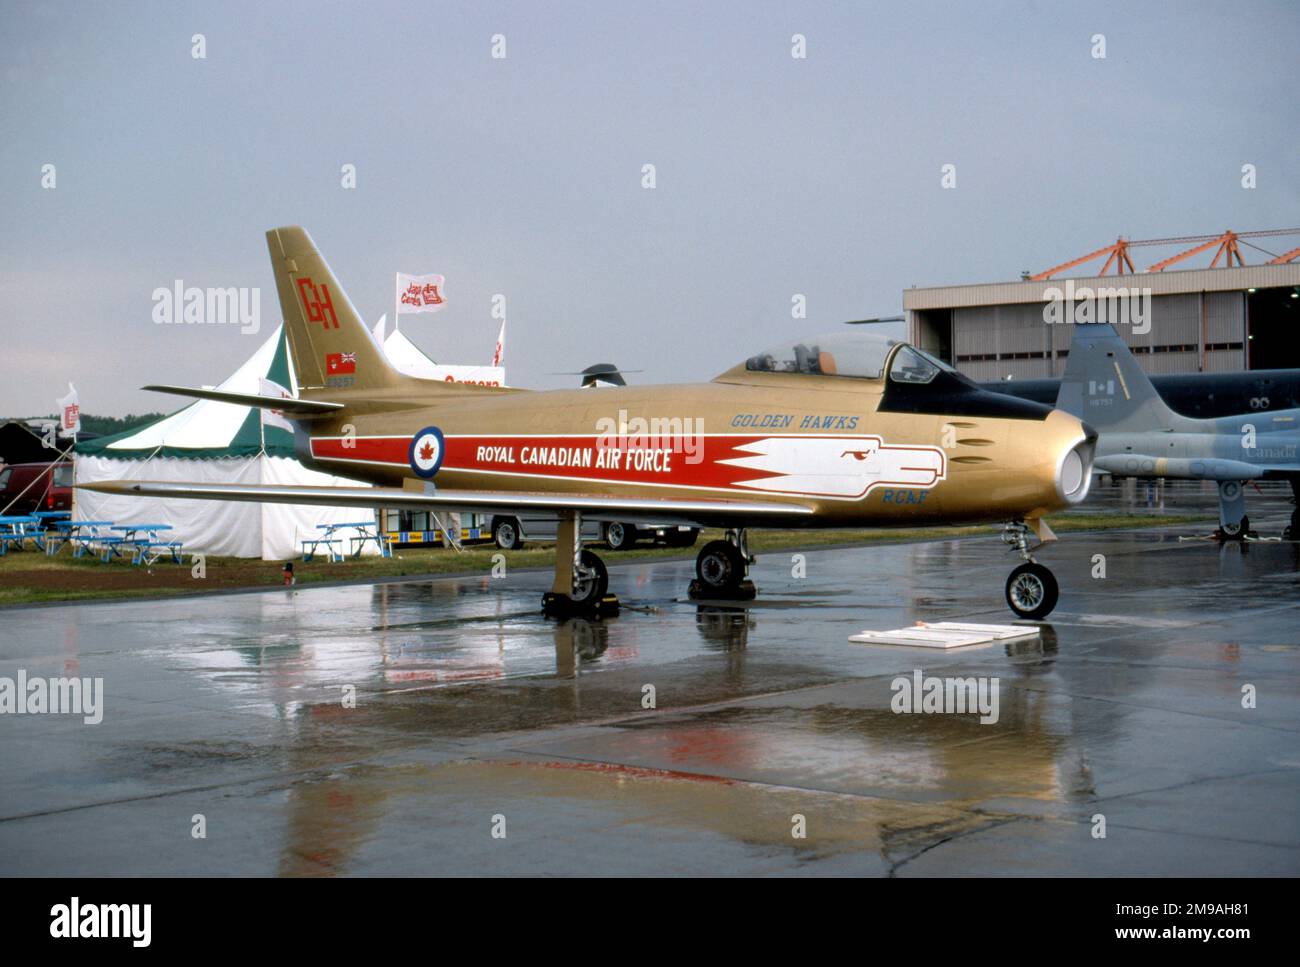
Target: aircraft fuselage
{"x":769,"y":436}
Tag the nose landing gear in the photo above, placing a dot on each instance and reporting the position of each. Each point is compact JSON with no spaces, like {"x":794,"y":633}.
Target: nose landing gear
{"x":722,"y":570}
{"x":1032,"y":590}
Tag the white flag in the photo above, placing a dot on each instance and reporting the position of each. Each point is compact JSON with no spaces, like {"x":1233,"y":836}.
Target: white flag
{"x":501,"y":345}
{"x":69,"y":413}
{"x":419,"y":293}
{"x":266,"y":387}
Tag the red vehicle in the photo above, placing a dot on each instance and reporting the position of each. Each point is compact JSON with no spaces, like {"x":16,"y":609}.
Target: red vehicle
{"x":43,"y":486}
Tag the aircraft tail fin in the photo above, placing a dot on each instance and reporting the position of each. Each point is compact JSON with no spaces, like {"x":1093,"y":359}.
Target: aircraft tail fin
{"x":330,"y":345}
{"x":1104,"y":385}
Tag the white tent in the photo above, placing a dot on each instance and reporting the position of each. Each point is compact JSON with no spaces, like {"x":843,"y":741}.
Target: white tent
{"x":408,"y":358}
{"x":210,"y":442}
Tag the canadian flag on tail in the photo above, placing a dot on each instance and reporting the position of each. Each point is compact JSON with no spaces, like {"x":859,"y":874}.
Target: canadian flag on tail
{"x":266,"y":387}
{"x":500,"y":351}
{"x":69,"y":413}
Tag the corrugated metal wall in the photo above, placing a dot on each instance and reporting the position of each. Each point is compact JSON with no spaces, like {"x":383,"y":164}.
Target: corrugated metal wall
{"x":1027,"y":347}
{"x":1007,"y":331}
{"x":1225,"y":324}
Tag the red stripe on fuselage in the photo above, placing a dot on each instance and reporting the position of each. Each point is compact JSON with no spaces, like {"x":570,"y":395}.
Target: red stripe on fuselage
{"x":682,"y":461}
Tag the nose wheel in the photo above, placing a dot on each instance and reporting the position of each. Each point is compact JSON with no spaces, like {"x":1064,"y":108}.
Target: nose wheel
{"x":1031,"y":589}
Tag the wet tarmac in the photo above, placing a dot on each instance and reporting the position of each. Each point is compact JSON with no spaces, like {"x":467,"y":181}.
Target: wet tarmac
{"x":486,"y":739}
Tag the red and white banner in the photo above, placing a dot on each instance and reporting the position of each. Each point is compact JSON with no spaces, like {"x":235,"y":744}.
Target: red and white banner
{"x":419,"y":293}
{"x":69,"y":413}
{"x":500,"y":352}
{"x":266,"y":387}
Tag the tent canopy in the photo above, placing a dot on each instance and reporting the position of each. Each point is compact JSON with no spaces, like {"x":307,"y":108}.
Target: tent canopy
{"x":211,"y":442}
{"x":205,"y":428}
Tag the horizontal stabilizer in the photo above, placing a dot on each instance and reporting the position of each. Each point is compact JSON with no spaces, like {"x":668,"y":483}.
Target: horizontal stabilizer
{"x":630,"y":509}
{"x":297,"y":409}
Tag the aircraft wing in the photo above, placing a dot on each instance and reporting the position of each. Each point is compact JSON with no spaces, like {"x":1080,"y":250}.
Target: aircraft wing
{"x":298,"y":409}
{"x":717,"y":513}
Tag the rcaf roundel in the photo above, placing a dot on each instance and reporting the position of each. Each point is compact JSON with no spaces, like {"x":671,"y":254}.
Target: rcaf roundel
{"x":427,"y":450}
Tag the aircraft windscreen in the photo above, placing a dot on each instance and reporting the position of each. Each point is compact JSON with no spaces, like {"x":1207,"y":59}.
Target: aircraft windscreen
{"x":912,"y":365}
{"x":857,"y":355}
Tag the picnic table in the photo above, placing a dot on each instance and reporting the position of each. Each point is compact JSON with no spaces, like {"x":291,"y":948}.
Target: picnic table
{"x":85,"y":538}
{"x":16,"y":528}
{"x":367,"y":530}
{"x":48,"y":521}
{"x":148,"y":548}
{"x":63,"y":531}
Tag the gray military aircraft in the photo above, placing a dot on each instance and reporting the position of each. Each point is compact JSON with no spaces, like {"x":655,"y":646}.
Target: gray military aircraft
{"x":1142,"y":437}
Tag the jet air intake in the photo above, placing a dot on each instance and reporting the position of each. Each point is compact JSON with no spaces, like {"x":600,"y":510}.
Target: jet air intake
{"x":1074,"y":470}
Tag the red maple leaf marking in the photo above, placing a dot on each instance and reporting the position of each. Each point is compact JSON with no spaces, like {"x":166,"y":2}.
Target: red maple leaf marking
{"x":426,"y":452}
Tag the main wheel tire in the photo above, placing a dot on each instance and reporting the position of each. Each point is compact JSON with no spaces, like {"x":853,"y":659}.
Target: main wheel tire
{"x":592,"y":588}
{"x":1032,"y":591}
{"x":720,"y":567}
{"x":619,"y":537}
{"x":507,"y":534}
{"x":683,"y":538}
{"x":1235,"y":532}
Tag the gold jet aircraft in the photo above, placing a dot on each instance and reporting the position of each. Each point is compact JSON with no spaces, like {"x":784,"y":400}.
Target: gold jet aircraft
{"x":840,"y":430}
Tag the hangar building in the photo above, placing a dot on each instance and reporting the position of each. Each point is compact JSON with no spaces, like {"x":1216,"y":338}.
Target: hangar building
{"x":1202,"y":320}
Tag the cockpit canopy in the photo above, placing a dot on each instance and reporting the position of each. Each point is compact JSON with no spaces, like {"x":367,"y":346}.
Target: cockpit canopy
{"x":845,"y":353}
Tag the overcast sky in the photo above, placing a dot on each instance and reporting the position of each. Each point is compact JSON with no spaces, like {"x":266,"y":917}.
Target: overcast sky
{"x":523,"y":175}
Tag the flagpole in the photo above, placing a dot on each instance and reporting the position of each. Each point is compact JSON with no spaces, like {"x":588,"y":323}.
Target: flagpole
{"x":397,"y":316}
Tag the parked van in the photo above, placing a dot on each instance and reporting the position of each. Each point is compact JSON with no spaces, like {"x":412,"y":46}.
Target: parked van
{"x":43,"y":486}
{"x":510,"y":533}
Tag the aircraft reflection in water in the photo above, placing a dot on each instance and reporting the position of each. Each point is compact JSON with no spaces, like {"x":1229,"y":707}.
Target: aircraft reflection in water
{"x":843,"y":430}
{"x":289,"y":654}
{"x":333,"y":816}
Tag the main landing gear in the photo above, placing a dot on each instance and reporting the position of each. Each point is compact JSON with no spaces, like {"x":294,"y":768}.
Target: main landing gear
{"x":581,"y":585}
{"x":722,"y":570}
{"x":1031,"y":588}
